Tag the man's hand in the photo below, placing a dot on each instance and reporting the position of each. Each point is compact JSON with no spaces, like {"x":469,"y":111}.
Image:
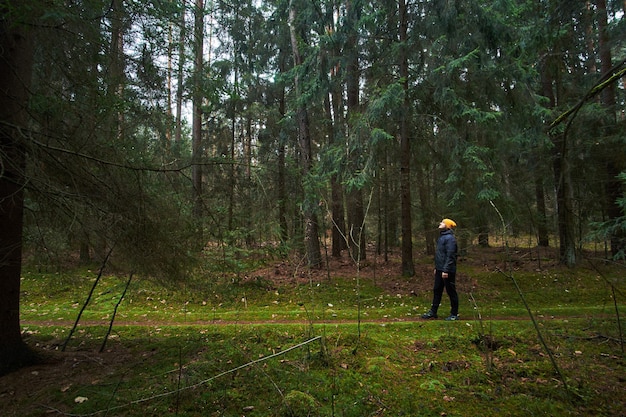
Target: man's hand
{"x":444,"y":275}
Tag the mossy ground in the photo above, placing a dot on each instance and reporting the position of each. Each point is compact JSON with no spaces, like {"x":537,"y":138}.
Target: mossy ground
{"x":282,"y":341}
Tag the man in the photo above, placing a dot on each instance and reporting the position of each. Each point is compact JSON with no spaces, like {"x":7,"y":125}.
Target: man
{"x":445,"y":271}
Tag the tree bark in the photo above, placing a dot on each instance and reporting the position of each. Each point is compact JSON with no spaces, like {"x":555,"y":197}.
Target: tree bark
{"x":542,"y":218}
{"x":336,"y":135}
{"x":117,"y":64}
{"x":16,"y":62}
{"x":281,"y":186}
{"x":338,"y":242}
{"x":196,"y":173}
{"x":429,"y":226}
{"x":356,"y":211}
{"x":613,"y":188}
{"x":408,"y":268}
{"x":180,"y":76}
{"x":562,"y":179}
{"x":311,"y":236}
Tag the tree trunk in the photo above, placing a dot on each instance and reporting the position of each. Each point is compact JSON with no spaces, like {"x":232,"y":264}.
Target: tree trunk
{"x":542,"y":219}
{"x":356,"y":212}
{"x":408,"y":269}
{"x":564,"y":199}
{"x":180,"y":76}
{"x":339,"y":219}
{"x":614,"y":188}
{"x":562,"y":178}
{"x":336,"y":134}
{"x":196,"y":172}
{"x":386,"y":206}
{"x":16,"y":62}
{"x":311,"y":236}
{"x":282,"y":187}
{"x":429,"y":226}
{"x":117,"y":64}
{"x":338,"y":241}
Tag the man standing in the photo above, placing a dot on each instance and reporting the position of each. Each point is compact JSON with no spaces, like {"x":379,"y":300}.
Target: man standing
{"x":445,"y":271}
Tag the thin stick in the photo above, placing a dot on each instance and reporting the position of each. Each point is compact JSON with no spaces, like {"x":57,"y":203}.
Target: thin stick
{"x":614,"y":291}
{"x":106,"y":336}
{"x":204,"y":382}
{"x":93,"y":288}
{"x":539,"y":334}
{"x":530,"y":314}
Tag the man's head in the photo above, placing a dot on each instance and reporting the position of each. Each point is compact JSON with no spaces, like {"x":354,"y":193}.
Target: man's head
{"x":447,"y":224}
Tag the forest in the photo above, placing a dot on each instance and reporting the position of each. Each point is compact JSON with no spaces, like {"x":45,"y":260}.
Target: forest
{"x":152,"y":136}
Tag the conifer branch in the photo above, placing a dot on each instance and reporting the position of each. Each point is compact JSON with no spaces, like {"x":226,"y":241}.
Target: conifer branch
{"x":611,"y":76}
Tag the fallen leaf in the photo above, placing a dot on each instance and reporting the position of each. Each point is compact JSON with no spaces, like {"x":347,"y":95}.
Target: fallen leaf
{"x":80,"y":400}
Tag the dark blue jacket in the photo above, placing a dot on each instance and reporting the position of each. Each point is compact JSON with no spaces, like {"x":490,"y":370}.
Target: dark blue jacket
{"x":445,"y":256}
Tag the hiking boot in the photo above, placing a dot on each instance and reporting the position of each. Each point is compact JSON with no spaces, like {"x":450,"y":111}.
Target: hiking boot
{"x":429,"y":315}
{"x":452,"y":317}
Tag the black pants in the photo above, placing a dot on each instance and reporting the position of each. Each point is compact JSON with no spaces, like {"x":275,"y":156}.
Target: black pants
{"x":450,"y":285}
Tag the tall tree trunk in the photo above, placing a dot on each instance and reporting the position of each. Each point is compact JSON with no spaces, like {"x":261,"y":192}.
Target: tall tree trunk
{"x":233,"y":145}
{"x":248,"y":190}
{"x":311,"y":236}
{"x":16,"y":62}
{"x":385,"y":202}
{"x":196,"y":146}
{"x":170,"y":77}
{"x":562,"y":177}
{"x":336,"y":121}
{"x":564,"y":198}
{"x":180,"y":76}
{"x":408,"y":269}
{"x":336,"y":135}
{"x":356,"y":210}
{"x":117,"y":63}
{"x":614,"y":188}
{"x":282,"y":187}
{"x":336,"y":195}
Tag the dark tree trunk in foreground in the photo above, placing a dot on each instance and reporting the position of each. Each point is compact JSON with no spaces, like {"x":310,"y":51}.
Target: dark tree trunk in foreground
{"x":16,"y":54}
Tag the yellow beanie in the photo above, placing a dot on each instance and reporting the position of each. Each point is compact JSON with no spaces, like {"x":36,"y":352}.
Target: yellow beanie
{"x":449,"y":223}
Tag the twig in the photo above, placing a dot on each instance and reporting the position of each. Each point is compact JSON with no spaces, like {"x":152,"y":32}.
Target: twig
{"x":93,"y":288}
{"x":614,"y":292}
{"x":106,"y":336}
{"x":539,"y":334}
{"x":530,"y":313}
{"x":196,"y":385}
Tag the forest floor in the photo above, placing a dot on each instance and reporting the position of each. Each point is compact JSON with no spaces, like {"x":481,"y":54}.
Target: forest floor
{"x":69,"y":368}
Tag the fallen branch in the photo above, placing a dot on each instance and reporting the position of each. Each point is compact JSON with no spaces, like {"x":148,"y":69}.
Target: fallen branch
{"x":196,"y":385}
{"x":93,"y":288}
{"x":530,"y":313}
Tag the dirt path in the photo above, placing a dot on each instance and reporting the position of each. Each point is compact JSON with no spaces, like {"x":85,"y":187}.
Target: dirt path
{"x":202,"y":323}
